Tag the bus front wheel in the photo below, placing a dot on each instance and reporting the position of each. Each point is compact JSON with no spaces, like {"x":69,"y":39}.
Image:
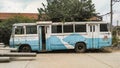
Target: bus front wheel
{"x":80,"y":47}
{"x":25,"y":48}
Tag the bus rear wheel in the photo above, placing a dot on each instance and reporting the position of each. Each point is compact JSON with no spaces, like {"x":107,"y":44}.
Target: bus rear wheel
{"x":25,"y":48}
{"x":80,"y":47}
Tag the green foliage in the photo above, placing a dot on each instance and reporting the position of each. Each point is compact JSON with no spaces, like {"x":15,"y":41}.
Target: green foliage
{"x":6,"y":26}
{"x":16,"y":19}
{"x":68,"y":10}
{"x":114,"y":37}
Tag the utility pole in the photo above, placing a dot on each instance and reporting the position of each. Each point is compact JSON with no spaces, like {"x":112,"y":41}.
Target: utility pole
{"x":111,"y":15}
{"x":111,"y":12}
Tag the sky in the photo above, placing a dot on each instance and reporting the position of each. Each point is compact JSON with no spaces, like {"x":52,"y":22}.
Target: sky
{"x":30,"y":6}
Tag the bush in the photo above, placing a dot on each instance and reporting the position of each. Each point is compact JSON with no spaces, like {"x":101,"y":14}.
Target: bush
{"x":114,"y":39}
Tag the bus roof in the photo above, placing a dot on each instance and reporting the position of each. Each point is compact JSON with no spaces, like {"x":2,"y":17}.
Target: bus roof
{"x":44,"y":22}
{"x":22,"y":24}
{"x":57,"y":23}
{"x":91,"y":22}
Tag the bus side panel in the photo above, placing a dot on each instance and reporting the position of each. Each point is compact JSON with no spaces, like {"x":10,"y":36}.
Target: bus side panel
{"x":69,"y":41}
{"x":99,"y":43}
{"x":72,"y":39}
{"x":92,"y":43}
{"x":105,"y":39}
{"x":11,"y":42}
{"x":103,"y":43}
{"x":18,"y":40}
{"x":66,"y":42}
{"x":55,"y":43}
{"x":32,"y":40}
{"x":48,"y":48}
{"x":89,"y":43}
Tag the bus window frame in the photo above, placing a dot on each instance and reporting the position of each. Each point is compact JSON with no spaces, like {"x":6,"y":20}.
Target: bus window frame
{"x":15,"y":27}
{"x":100,"y":27}
{"x":31,"y":25}
{"x":72,"y":28}
{"x":80,"y":24}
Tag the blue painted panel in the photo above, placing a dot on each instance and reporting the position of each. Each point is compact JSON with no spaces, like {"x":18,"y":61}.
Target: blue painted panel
{"x":34,"y":44}
{"x":92,"y":43}
{"x":11,"y":43}
{"x":55,"y":43}
{"x":74,"y":38}
{"x":97,"y":44}
{"x":48,"y":45}
{"x":105,"y":42}
{"x":89,"y":43}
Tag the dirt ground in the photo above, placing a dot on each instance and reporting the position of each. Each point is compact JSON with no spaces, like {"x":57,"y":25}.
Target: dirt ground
{"x":66,"y":59}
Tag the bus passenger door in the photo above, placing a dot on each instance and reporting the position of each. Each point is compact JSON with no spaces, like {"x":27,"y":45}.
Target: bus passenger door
{"x":93,"y":35}
{"x":42,"y":38}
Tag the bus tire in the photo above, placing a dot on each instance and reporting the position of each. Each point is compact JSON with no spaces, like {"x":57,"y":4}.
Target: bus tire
{"x":25,"y":48}
{"x":80,"y":47}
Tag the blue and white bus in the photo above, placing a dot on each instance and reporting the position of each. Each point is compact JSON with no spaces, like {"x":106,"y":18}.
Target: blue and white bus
{"x":48,"y":36}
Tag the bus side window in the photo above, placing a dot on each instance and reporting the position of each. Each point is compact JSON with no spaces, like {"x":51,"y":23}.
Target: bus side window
{"x":68,"y":28}
{"x":103,"y":28}
{"x":56,"y":28}
{"x":80,"y":28}
{"x":19,"y":30}
{"x":31,"y":29}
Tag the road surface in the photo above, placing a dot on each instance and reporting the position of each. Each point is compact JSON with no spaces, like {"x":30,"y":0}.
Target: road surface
{"x":66,"y":60}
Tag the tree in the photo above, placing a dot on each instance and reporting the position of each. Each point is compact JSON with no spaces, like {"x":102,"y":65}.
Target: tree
{"x":68,"y":10}
{"x":6,"y":26}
